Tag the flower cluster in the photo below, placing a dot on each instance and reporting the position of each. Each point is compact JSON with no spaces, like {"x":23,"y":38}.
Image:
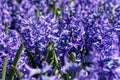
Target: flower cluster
{"x":63,"y":39}
{"x":9,"y":45}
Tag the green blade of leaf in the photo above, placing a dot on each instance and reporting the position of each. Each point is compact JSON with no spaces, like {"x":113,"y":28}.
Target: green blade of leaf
{"x":52,"y":62}
{"x":17,"y":71}
{"x":37,"y":13}
{"x":55,"y":59}
{"x":72,"y":57}
{"x":49,"y":52}
{"x":6,"y":27}
{"x":31,"y":59}
{"x":58,"y":13}
{"x":18,"y":1}
{"x":66,"y":76}
{"x":4,"y":68}
{"x":17,"y":56}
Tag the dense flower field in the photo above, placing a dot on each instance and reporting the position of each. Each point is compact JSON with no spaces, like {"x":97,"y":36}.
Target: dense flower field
{"x":60,"y":39}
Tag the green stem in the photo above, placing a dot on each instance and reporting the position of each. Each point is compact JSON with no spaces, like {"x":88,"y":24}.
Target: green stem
{"x":17,"y":56}
{"x":4,"y":68}
{"x":17,"y":71}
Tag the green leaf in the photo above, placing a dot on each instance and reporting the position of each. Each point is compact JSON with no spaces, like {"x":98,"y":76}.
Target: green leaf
{"x":52,"y":8}
{"x":18,"y":1}
{"x":52,"y":62}
{"x":72,"y":57}
{"x":31,"y":58}
{"x":66,"y":76}
{"x":110,"y":18}
{"x":17,"y":71}
{"x":17,"y":56}
{"x":58,"y":13}
{"x":55,"y":11}
{"x":51,"y":57}
{"x":37,"y":13}
{"x":55,"y":59}
{"x":49,"y":53}
{"x":4,"y":68}
{"x":6,"y":27}
{"x":113,"y":10}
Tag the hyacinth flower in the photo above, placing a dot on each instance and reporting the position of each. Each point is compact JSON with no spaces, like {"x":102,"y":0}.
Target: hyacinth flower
{"x":32,"y":25}
{"x":72,"y":31}
{"x":109,"y":49}
{"x":95,"y":32}
{"x":10,"y":43}
{"x":101,"y":35}
{"x":70,"y":69}
{"x":46,"y":69}
{"x":86,"y":34}
{"x":36,"y":32}
{"x":5,"y":15}
{"x":45,"y":6}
